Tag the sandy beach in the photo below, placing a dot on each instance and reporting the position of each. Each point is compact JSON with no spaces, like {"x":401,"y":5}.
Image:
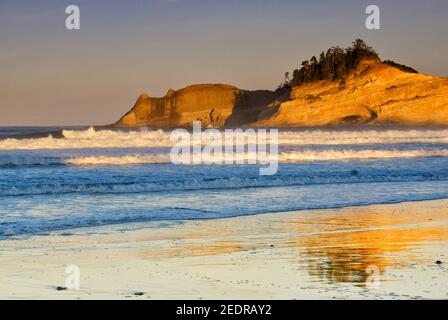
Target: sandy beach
{"x":313,"y":254}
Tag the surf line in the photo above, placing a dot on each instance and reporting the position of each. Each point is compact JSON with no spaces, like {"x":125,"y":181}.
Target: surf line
{"x":229,"y":146}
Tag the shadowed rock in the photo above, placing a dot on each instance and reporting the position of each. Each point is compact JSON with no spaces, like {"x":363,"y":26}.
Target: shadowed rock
{"x":214,"y":105}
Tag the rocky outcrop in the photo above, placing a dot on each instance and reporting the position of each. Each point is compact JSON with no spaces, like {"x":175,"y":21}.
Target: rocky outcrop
{"x":214,"y":105}
{"x":374,"y":93}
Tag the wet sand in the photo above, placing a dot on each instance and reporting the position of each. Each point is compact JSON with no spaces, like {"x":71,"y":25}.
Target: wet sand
{"x":371,"y":252}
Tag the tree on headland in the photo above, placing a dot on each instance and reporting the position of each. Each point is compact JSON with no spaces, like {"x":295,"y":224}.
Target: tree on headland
{"x":335,"y":64}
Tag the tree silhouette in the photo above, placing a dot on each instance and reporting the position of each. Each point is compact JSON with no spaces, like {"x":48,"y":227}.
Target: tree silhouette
{"x":335,"y":64}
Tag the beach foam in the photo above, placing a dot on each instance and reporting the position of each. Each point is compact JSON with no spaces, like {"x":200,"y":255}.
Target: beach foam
{"x":142,"y":138}
{"x":285,"y":156}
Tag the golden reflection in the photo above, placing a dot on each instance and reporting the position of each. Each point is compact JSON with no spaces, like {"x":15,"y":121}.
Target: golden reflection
{"x":343,"y":246}
{"x":335,"y":245}
{"x":196,"y":249}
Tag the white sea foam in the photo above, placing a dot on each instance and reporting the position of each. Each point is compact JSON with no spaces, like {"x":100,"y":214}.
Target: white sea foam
{"x":373,"y":136}
{"x":90,"y":139}
{"x":289,"y":156}
{"x":349,"y":154}
{"x":119,"y":160}
{"x":286,"y":157}
{"x":143,"y":138}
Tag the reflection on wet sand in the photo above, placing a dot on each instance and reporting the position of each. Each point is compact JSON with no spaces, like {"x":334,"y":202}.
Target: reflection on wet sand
{"x":333,"y":246}
{"x":194,"y":249}
{"x":316,"y":254}
{"x":345,"y":243}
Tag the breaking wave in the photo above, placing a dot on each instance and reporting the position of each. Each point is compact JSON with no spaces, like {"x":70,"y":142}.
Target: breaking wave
{"x":348,"y":154}
{"x":291,"y":156}
{"x":144,"y":138}
{"x":119,"y":160}
{"x":216,"y":183}
{"x":287,"y":156}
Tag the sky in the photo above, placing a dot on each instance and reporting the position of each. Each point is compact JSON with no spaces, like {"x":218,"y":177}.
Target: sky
{"x":92,"y":76}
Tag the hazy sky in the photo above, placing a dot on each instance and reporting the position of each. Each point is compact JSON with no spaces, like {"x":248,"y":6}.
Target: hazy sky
{"x":52,"y":76}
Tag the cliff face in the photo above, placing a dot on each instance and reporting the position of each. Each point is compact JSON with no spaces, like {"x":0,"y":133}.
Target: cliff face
{"x":213,"y":103}
{"x":374,"y":93}
{"x":217,"y":105}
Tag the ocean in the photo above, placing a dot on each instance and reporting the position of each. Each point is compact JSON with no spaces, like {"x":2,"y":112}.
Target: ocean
{"x":81,"y":177}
